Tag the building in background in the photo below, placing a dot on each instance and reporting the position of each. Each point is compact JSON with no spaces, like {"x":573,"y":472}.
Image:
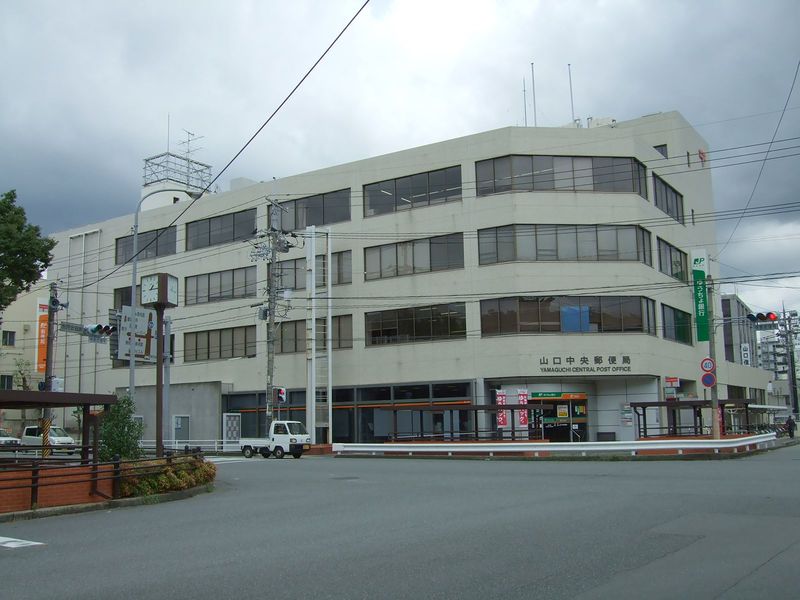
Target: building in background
{"x":540,"y":264}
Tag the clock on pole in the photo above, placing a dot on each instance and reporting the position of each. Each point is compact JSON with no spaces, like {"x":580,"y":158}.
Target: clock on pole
{"x":159,"y":289}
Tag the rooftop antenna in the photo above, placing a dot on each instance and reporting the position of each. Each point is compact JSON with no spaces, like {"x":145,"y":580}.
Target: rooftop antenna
{"x":533,"y":93}
{"x":571,"y":105}
{"x":188,"y":151}
{"x":524,"y":102}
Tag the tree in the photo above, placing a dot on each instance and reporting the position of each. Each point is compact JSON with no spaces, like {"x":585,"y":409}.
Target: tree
{"x":119,"y":433}
{"x":24,"y":253}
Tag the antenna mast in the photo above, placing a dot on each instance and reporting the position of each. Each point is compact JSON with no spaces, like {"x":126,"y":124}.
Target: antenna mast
{"x":571,"y":105}
{"x":533,"y":93}
{"x":524,"y":102}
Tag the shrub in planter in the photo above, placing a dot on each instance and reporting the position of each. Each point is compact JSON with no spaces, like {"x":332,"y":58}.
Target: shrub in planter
{"x":156,"y":477}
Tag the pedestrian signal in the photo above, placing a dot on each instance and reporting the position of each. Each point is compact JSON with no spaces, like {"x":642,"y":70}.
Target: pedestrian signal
{"x":281,"y":394}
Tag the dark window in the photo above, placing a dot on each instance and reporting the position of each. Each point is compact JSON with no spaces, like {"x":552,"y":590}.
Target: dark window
{"x":150,"y":244}
{"x":418,"y":256}
{"x":668,"y":199}
{"x":9,"y":338}
{"x":578,"y":173}
{"x":221,"y":229}
{"x":672,"y":261}
{"x":662,"y":150}
{"x":413,"y":191}
{"x":567,"y":314}
{"x":291,"y":335}
{"x":220,"y":285}
{"x":233,"y":342}
{"x":677,"y":324}
{"x":6,"y":382}
{"x":421,"y":323}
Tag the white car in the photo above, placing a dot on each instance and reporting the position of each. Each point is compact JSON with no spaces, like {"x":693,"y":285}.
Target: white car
{"x":32,"y":436}
{"x":6,"y":439}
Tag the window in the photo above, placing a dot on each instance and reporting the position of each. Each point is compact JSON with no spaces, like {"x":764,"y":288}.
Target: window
{"x":292,"y":273}
{"x":578,"y":173}
{"x":413,"y":191}
{"x":233,"y":342}
{"x":9,"y":338}
{"x":331,"y":207}
{"x":567,"y":314}
{"x":662,"y":150}
{"x":564,"y":242}
{"x":291,"y":335}
{"x":221,"y":229}
{"x":417,"y":256}
{"x":677,"y":324}
{"x":159,"y":242}
{"x":667,"y":199}
{"x":6,"y":382}
{"x":417,"y":324}
{"x":672,"y":261}
{"x":220,"y":285}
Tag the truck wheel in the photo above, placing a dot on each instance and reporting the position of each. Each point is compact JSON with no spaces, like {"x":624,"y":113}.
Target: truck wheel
{"x":247,"y":451}
{"x":297,"y":454}
{"x":278,"y":452}
{"x":265,"y":452}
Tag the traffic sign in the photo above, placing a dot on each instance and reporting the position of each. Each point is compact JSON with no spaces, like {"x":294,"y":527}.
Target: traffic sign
{"x":708,"y":364}
{"x":709,"y":380}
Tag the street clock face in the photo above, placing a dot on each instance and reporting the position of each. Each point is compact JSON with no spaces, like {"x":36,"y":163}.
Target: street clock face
{"x":149,"y":289}
{"x":172,"y":290}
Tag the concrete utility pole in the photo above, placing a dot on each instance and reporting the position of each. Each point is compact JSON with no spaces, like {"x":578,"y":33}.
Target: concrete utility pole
{"x":715,"y":429}
{"x":275,"y":243}
{"x":47,"y":414}
{"x":789,"y":324}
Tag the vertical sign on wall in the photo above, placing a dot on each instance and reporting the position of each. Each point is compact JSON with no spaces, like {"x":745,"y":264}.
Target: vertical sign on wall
{"x":699,"y":272}
{"x":502,"y":415}
{"x":41,"y":334}
{"x":522,"y":398}
{"x":746,"y":354}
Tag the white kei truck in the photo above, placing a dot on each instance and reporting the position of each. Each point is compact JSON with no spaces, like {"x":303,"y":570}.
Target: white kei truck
{"x":284,"y":436}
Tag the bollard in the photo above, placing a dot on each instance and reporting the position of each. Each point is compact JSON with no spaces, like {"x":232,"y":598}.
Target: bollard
{"x":115,"y":483}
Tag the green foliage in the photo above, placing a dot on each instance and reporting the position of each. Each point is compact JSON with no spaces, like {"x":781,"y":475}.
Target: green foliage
{"x":157,"y":476}
{"x":24,"y":253}
{"x":119,"y":433}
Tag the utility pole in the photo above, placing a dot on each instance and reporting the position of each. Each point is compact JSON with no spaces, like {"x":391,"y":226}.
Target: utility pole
{"x":47,"y":416}
{"x":275,"y":243}
{"x":715,"y":429}
{"x":789,"y":325}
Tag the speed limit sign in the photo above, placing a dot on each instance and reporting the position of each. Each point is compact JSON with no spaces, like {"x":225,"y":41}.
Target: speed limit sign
{"x":708,"y":364}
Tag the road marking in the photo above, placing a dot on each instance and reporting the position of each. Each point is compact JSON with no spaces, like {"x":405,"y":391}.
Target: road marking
{"x":14,"y":543}
{"x":228,"y":459}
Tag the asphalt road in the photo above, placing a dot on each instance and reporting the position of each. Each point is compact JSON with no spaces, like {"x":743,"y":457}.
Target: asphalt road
{"x":324,"y":527}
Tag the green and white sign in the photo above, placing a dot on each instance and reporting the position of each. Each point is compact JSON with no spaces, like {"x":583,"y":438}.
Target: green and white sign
{"x":699,"y":272}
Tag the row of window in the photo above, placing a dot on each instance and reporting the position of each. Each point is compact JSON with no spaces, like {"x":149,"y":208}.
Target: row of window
{"x":292,"y":273}
{"x":413,"y":191}
{"x":199,"y":234}
{"x":545,"y":173}
{"x":322,"y":209}
{"x":672,"y":262}
{"x":503,"y":174}
{"x":564,"y":242}
{"x":416,"y":256}
{"x":221,"y":285}
{"x":291,"y":335}
{"x":568,"y":314}
{"x":421,"y":323}
{"x":499,"y":316}
{"x":232,"y":342}
{"x":668,"y":199}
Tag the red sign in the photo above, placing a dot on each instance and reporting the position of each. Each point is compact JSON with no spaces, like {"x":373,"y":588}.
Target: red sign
{"x":502,"y":415}
{"x":41,"y":339}
{"x":522,"y":398}
{"x":708,"y":365}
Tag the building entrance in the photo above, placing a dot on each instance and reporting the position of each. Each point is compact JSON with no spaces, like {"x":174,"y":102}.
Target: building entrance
{"x":560,"y":417}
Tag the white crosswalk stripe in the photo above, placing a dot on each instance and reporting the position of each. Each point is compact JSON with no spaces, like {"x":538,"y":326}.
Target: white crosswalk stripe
{"x":13,"y":543}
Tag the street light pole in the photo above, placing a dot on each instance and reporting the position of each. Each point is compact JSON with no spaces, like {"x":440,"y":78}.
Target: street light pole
{"x":134,"y":263}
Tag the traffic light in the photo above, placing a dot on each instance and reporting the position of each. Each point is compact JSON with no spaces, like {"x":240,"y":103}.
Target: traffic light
{"x":97,"y":329}
{"x":281,"y":394}
{"x":768,"y":316}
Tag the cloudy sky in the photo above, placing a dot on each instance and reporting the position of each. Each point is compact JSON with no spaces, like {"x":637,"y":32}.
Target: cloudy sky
{"x":90,"y":86}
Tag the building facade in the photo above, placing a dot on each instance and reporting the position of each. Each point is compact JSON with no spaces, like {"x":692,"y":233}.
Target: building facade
{"x":547,"y":263}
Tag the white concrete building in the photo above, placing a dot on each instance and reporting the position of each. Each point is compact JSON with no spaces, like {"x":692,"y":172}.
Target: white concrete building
{"x":551,"y":260}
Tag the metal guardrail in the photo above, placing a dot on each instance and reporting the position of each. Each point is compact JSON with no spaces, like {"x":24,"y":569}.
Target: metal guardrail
{"x":204,"y":445}
{"x":760,"y":442}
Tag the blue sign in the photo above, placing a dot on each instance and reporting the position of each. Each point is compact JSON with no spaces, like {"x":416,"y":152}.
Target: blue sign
{"x":709,"y":380}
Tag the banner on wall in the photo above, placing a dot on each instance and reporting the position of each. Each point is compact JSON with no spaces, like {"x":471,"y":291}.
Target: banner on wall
{"x":522,"y":398}
{"x":41,"y":334}
{"x":502,"y":415}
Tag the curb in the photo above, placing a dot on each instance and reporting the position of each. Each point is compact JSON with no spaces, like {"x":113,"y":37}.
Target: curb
{"x":52,"y":511}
